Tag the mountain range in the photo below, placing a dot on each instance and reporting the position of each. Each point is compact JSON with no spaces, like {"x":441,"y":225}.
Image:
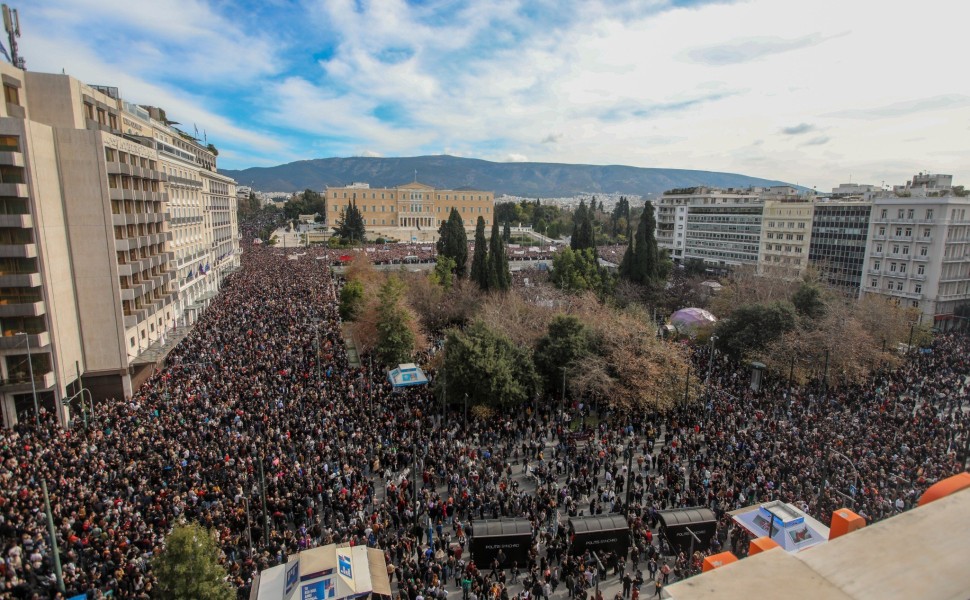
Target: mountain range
{"x":527,"y":179}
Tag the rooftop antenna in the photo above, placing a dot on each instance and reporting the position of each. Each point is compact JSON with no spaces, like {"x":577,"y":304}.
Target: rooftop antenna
{"x":11,"y":24}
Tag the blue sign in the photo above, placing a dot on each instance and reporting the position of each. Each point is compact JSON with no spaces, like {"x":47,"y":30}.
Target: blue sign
{"x":344,"y":566}
{"x":292,"y":578}
{"x":321,"y":590}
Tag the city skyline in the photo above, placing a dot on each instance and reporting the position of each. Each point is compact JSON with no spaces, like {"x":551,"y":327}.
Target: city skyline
{"x":814,"y":94}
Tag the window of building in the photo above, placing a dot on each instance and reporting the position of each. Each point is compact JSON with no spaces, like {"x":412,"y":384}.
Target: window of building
{"x":926,"y":232}
{"x":918,"y":288}
{"x":923,"y":250}
{"x":902,"y":267}
{"x":929,"y":213}
{"x":899,"y":286}
{"x":131,"y":341}
{"x":908,"y":232}
{"x":892,"y":267}
{"x":900,"y":213}
{"x":899,"y":231}
{"x":876,"y":265}
{"x":11,"y":94}
{"x":909,"y":213}
{"x":885,"y":213}
{"x":882,"y":231}
{"x":878,"y":247}
{"x":920,"y":269}
{"x":905,"y":249}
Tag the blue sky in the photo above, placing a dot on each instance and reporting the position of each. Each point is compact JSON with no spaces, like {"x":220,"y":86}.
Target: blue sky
{"x":815,"y":93}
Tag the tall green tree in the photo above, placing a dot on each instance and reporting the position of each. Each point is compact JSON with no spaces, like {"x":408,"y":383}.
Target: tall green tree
{"x":578,"y":271}
{"x":350,"y":225}
{"x":499,"y":277}
{"x":188,"y":568}
{"x":488,"y":367}
{"x":351,"y":300}
{"x":642,"y":262}
{"x":565,"y":345}
{"x":395,"y":339}
{"x":443,"y":273}
{"x":453,"y":242}
{"x":751,"y":328}
{"x":507,"y":233}
{"x":582,"y":236}
{"x":808,"y":301}
{"x":479,"y":273}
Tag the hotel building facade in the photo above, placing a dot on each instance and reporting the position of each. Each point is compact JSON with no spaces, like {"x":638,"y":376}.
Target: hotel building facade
{"x":89,"y":278}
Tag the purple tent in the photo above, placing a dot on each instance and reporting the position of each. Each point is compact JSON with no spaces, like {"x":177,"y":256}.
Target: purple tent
{"x":689,"y":319}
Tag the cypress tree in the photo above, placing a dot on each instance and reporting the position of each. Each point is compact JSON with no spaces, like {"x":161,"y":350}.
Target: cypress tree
{"x":479,"y":273}
{"x":641,"y":261}
{"x":499,"y":277}
{"x":576,"y":241}
{"x":453,"y":242}
{"x":507,"y":233}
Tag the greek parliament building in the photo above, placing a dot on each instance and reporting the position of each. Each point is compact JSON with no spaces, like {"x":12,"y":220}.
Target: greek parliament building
{"x":410,"y":211}
{"x":115,"y":229}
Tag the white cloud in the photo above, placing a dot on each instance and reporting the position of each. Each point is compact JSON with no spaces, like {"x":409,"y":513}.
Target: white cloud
{"x":621,"y":82}
{"x":514,"y":157}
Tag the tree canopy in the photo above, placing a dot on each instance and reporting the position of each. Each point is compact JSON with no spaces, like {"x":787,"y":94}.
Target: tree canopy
{"x":188,"y":568}
{"x":488,"y":367}
{"x":583,"y":236}
{"x":578,"y":271}
{"x":453,"y":242}
{"x":751,"y":328}
{"x":641,"y":263}
{"x":564,"y":346}
{"x":395,"y":339}
{"x":499,"y":277}
{"x":350,"y":225}
{"x":479,"y":272}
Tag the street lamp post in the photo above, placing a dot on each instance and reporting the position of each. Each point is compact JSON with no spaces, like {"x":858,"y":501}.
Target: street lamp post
{"x":56,"y":554}
{"x":33,"y":384}
{"x":562,"y":401}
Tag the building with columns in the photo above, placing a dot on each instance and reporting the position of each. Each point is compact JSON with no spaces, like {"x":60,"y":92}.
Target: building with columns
{"x":410,"y":211}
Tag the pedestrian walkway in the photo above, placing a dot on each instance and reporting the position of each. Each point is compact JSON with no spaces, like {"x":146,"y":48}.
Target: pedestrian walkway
{"x":353,"y":356}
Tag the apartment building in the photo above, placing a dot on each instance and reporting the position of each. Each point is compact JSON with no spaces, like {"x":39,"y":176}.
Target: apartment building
{"x":919,"y":249}
{"x":720,"y":227}
{"x":786,"y":235}
{"x":89,"y":275}
{"x":840,"y":231}
{"x":40,"y":332}
{"x":410,"y":208}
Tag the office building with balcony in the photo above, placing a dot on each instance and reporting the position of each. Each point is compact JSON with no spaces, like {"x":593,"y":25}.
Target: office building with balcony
{"x":786,"y":235}
{"x":89,"y":278}
{"x":919,"y":250}
{"x":837,"y":249}
{"x":720,"y":227}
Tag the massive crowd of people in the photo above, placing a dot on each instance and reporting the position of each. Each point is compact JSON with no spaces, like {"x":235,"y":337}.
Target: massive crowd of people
{"x":260,"y":406}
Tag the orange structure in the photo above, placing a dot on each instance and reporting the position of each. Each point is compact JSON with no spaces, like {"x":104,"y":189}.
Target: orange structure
{"x":845,"y":521}
{"x":716,"y":561}
{"x":945,"y":487}
{"x":761,"y":544}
